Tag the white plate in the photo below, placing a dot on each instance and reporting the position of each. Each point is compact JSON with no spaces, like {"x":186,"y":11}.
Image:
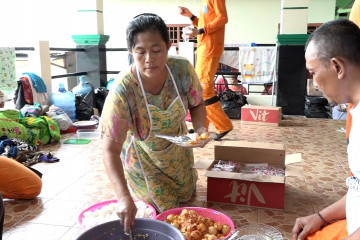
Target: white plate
{"x":85,"y":124}
{"x":258,"y":231}
{"x":186,"y":140}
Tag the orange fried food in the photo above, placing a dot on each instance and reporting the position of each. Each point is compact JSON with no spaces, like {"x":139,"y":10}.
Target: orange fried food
{"x":197,"y":227}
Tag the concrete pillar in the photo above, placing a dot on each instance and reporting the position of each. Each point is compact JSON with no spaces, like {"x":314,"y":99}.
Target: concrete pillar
{"x":294,"y":16}
{"x":90,"y":36}
{"x":39,"y":61}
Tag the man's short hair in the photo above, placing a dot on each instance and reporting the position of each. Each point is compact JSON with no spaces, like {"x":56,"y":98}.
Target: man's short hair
{"x":338,"y":38}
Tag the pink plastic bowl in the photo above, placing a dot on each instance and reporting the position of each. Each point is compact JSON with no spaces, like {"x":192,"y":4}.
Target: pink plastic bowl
{"x":205,"y":212}
{"x":101,"y":204}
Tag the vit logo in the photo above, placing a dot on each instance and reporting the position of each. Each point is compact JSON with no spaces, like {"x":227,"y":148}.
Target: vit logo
{"x":259,"y":115}
{"x":242,"y":191}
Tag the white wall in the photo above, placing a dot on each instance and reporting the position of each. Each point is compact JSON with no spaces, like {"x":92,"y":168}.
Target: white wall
{"x":249,"y":20}
{"x":23,"y":22}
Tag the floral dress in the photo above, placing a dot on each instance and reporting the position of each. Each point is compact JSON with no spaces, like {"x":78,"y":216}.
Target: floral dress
{"x":157,"y":171}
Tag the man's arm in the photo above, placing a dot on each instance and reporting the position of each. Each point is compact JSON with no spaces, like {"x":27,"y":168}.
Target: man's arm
{"x":221,"y":17}
{"x":305,"y":226}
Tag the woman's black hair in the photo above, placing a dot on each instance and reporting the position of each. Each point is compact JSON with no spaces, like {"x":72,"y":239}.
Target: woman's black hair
{"x":145,"y":22}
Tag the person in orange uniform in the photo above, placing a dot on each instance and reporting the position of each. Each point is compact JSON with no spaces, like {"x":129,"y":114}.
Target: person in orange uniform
{"x":355,"y":17}
{"x":210,"y":33}
{"x":16,"y":180}
{"x":332,"y":55}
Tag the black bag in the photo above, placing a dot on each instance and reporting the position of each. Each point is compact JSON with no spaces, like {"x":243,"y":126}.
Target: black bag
{"x":231,"y":103}
{"x":100,"y":96}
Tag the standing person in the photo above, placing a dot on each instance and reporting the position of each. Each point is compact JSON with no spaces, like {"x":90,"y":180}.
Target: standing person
{"x":355,"y":17}
{"x":210,"y":34}
{"x":333,"y":58}
{"x":151,"y":97}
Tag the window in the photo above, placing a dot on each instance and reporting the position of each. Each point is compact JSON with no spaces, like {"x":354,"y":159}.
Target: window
{"x":175,"y":31}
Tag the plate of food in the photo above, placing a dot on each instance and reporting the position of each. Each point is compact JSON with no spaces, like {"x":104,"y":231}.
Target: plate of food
{"x":258,"y":231}
{"x":106,"y":211}
{"x":191,"y":140}
{"x":196,"y":222}
{"x":85,"y":124}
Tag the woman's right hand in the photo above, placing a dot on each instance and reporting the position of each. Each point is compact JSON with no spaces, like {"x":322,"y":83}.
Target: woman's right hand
{"x":305,"y":226}
{"x":126,"y":210}
{"x":185,"y":12}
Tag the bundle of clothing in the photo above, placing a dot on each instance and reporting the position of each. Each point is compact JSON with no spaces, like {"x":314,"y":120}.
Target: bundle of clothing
{"x":30,"y":89}
{"x":33,"y":130}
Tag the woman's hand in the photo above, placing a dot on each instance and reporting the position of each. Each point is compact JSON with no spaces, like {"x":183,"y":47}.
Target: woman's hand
{"x":305,"y":226}
{"x":203,"y":135}
{"x":126,"y":210}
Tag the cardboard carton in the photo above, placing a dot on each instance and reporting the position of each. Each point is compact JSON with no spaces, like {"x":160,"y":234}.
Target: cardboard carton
{"x":253,"y":190}
{"x":262,"y":115}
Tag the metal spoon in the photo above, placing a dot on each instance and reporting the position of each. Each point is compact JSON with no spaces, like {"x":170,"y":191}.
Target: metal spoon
{"x":130,"y":235}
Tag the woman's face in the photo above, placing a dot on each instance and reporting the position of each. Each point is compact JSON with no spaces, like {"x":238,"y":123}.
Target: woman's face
{"x":150,"y":54}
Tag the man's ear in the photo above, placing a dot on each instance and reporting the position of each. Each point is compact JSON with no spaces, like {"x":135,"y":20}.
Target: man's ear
{"x":339,"y":65}
{"x":169,"y":45}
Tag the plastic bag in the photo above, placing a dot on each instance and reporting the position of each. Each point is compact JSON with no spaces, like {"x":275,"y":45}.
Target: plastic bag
{"x":60,"y":117}
{"x":100,"y":96}
{"x":84,"y":99}
{"x":232,"y":102}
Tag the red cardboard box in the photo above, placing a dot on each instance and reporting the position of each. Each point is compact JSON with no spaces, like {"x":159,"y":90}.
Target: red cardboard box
{"x":263,"y":115}
{"x":247,"y":189}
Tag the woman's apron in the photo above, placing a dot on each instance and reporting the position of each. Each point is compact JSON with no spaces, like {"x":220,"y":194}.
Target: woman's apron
{"x":160,"y":172}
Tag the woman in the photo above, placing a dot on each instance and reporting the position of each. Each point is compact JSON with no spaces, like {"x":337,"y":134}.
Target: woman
{"x":151,"y":97}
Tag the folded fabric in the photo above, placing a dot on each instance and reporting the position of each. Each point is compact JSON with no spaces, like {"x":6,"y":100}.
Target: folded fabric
{"x":11,"y":147}
{"x":26,"y":86}
{"x":37,"y":82}
{"x":42,"y":129}
{"x":31,"y":158}
{"x":8,"y":148}
{"x":10,"y":125}
{"x":31,"y":110}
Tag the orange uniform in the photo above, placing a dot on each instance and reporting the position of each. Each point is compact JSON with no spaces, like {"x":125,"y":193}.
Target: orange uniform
{"x":18,"y":181}
{"x":334,"y":231}
{"x":210,"y":47}
{"x":338,"y":230}
{"x":355,"y":17}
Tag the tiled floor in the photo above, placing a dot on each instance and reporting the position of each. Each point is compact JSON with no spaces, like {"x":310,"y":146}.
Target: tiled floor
{"x":79,"y":180}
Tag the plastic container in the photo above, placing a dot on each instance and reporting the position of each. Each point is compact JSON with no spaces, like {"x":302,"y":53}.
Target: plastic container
{"x":88,"y":133}
{"x":64,"y":100}
{"x":83,"y":88}
{"x":144,"y":228}
{"x":205,"y":212}
{"x":109,"y":83}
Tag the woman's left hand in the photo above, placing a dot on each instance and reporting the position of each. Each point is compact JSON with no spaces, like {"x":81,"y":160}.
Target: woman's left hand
{"x":203,"y":133}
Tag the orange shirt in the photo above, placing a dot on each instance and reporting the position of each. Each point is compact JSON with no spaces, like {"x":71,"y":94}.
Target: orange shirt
{"x":212,"y":19}
{"x":355,"y":17}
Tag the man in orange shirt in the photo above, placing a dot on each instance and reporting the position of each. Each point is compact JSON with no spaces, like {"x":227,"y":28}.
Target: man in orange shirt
{"x":355,"y":17}
{"x":210,"y":33}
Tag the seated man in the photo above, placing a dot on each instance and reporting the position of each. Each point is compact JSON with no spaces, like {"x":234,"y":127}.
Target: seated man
{"x":333,"y":58}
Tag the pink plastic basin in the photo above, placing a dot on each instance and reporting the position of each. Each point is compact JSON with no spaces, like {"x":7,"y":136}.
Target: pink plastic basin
{"x":101,"y":204}
{"x":205,"y":212}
